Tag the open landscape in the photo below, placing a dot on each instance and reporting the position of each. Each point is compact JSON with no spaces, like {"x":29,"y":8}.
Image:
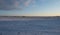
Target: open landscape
{"x":29,"y":17}
{"x":24,"y":25}
{"x":13,"y":18}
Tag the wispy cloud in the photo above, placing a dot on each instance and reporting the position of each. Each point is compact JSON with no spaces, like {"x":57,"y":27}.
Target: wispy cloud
{"x":28,"y":2}
{"x":13,"y":4}
{"x":18,"y":4}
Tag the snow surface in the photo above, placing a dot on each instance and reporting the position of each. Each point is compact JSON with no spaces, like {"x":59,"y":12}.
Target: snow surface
{"x":30,"y":27}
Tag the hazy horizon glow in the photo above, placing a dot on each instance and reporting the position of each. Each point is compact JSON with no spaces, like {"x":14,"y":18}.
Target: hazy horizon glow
{"x":30,"y":8}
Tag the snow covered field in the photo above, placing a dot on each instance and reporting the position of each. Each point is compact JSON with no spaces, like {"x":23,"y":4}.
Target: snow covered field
{"x":30,"y":27}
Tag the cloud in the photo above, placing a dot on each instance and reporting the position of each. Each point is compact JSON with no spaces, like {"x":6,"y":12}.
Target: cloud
{"x":28,"y":2}
{"x":18,"y":4}
{"x":13,"y":4}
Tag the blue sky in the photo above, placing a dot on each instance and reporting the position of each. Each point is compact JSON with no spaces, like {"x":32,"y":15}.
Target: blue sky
{"x":35,"y":8}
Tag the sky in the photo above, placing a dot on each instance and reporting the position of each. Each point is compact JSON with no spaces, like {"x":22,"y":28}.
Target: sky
{"x":29,"y":7}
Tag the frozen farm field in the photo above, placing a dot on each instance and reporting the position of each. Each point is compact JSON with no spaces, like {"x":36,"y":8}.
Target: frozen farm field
{"x":30,"y":27}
